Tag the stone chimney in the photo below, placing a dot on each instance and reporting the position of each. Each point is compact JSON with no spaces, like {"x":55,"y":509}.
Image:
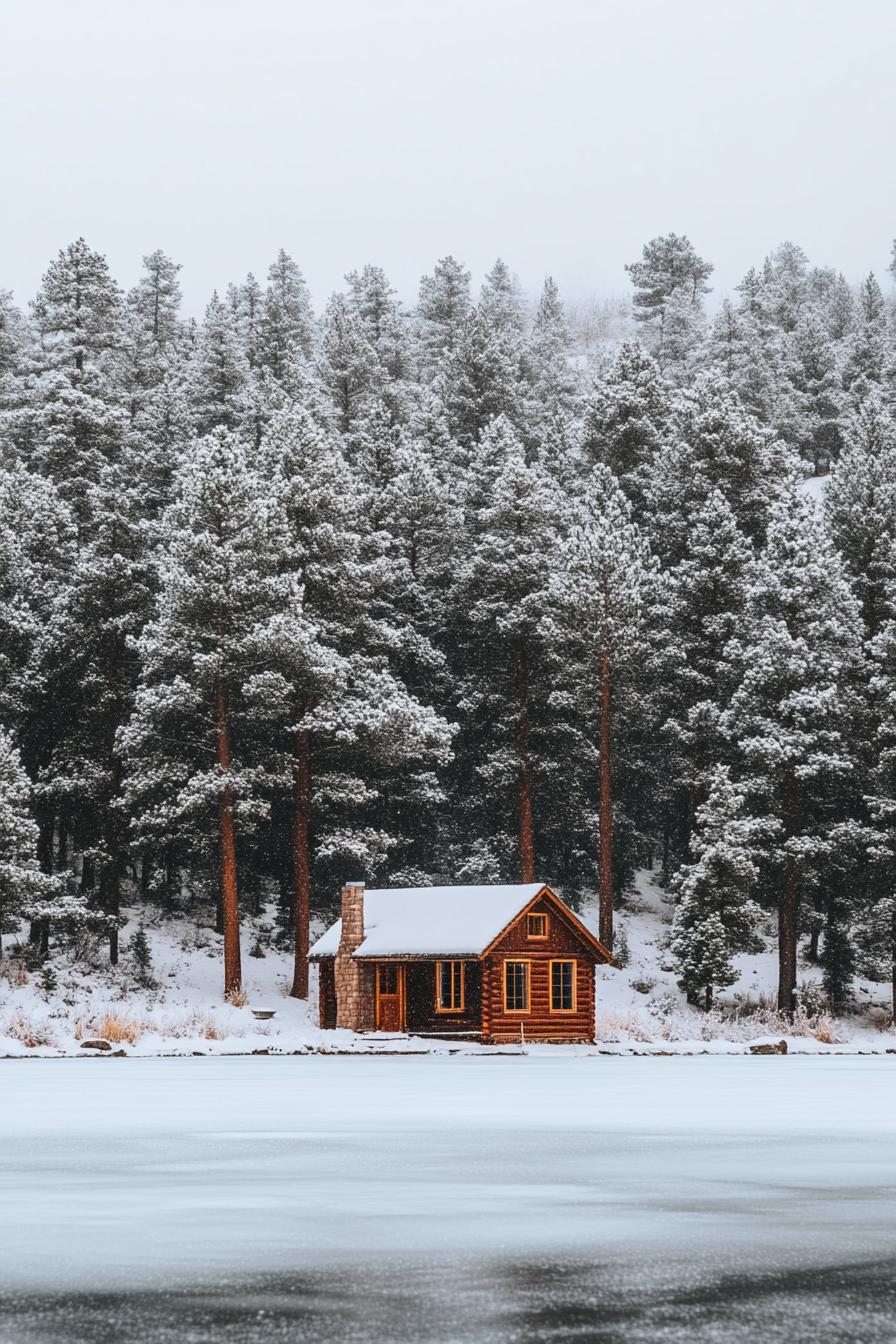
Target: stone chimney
{"x":354,"y":992}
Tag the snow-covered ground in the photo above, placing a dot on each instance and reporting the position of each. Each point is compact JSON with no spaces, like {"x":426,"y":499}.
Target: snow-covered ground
{"x":486,"y":1199}
{"x":640,"y":1008}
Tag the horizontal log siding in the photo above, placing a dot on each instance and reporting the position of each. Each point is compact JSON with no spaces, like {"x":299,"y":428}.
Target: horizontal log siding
{"x":421,"y":1001}
{"x":561,"y":944}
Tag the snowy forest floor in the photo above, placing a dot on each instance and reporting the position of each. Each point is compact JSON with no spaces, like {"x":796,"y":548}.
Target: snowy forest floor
{"x":639,"y":1007}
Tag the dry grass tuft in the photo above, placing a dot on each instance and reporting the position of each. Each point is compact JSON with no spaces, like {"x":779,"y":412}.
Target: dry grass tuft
{"x":237,"y":998}
{"x":824,"y":1032}
{"x":619,"y":1027}
{"x":113,"y":1027}
{"x":14,"y":973}
{"x":29,"y":1033}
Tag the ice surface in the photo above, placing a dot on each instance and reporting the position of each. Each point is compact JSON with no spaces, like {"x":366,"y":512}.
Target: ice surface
{"x":147,"y":1172}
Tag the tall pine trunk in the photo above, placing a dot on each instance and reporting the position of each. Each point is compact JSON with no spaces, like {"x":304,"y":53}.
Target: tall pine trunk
{"x":605,"y":900}
{"x":302,"y":864}
{"x":524,"y":771}
{"x":233,"y":977}
{"x":39,"y":933}
{"x":788,"y":912}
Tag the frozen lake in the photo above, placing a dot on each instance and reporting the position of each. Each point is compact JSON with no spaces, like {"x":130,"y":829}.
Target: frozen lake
{"x":447,"y":1199}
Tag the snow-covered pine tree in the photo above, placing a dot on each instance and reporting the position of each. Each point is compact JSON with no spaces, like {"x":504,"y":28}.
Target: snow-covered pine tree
{"x":357,"y":748}
{"x":627,"y":416}
{"x":21,"y":880}
{"x":552,"y":378}
{"x":513,"y":521}
{"x":717,"y":445}
{"x":442,"y":305}
{"x":790,"y":719}
{"x":482,"y":379}
{"x":701,"y":605}
{"x":871,"y":360}
{"x":501,"y":299}
{"x":13,"y":334}
{"x":860,"y":507}
{"x":65,"y":418}
{"x":219,"y":377}
{"x":667,"y":265}
{"x":222,"y":567}
{"x":286,"y":325}
{"x":715,"y":915}
{"x":816,"y":400}
{"x":348,"y":363}
{"x":601,"y":588}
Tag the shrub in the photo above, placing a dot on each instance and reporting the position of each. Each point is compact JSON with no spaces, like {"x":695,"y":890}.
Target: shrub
{"x":142,"y":958}
{"x":48,"y":980}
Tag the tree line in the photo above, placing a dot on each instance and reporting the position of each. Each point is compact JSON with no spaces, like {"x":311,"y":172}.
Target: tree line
{"x":427,"y":595}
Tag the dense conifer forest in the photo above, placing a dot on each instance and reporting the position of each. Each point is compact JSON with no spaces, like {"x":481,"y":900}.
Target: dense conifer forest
{"x":452,"y":593}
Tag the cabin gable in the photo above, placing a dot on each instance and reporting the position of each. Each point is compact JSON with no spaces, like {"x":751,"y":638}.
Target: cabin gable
{"x":538,"y":976}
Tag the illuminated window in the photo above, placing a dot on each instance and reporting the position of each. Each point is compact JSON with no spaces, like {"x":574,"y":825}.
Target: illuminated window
{"x":537,"y":926}
{"x":516,"y":986}
{"x":449,"y":986}
{"x":563,"y":986}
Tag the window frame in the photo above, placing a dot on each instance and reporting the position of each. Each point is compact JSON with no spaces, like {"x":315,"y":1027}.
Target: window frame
{"x":542,"y":915}
{"x":563,"y":961}
{"x":451,"y":961}
{"x":517,"y":961}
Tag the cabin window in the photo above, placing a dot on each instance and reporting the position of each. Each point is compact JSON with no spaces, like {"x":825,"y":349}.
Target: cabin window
{"x":449,"y":986}
{"x":516,"y":986}
{"x":537,"y":926}
{"x":563,"y":986}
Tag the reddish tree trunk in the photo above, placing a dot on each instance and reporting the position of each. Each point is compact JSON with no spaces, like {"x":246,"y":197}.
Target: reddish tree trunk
{"x":233,"y":976}
{"x":302,"y":865}
{"x":788,"y":913}
{"x":605,"y":901}
{"x":524,"y":772}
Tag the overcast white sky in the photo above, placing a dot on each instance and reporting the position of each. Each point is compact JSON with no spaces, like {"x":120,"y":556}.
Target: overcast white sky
{"x":558,"y":133}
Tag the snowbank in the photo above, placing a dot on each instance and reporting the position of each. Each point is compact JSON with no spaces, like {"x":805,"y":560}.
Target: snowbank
{"x":640,"y":1008}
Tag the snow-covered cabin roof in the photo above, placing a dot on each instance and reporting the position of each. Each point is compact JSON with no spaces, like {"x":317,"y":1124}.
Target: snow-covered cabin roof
{"x":432,"y":921}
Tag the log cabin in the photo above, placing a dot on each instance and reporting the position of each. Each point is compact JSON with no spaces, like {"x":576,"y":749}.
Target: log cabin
{"x":497,"y":963}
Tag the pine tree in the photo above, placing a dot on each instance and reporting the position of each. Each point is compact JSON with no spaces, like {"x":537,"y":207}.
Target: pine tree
{"x":155,"y":300}
{"x":669,"y":266}
{"x":870,"y":361}
{"x":286,"y":325}
{"x":442,"y":306}
{"x":717,"y":445}
{"x":501,"y":301}
{"x":513,"y":520}
{"x":222,"y":560}
{"x":790,"y":718}
{"x":701,"y":606}
{"x":715,"y":916}
{"x":811,"y":367}
{"x":547,"y":362}
{"x":483,"y":378}
{"x":604,"y":578}
{"x":219,"y":382}
{"x":329,"y":705}
{"x":627,"y":417}
{"x":21,"y":880}
{"x":860,"y":505}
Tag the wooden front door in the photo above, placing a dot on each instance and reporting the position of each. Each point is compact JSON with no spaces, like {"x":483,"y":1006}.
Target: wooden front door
{"x":390,"y":997}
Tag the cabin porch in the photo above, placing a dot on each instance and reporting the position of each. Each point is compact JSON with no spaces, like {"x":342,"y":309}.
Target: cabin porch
{"x":422,"y":998}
